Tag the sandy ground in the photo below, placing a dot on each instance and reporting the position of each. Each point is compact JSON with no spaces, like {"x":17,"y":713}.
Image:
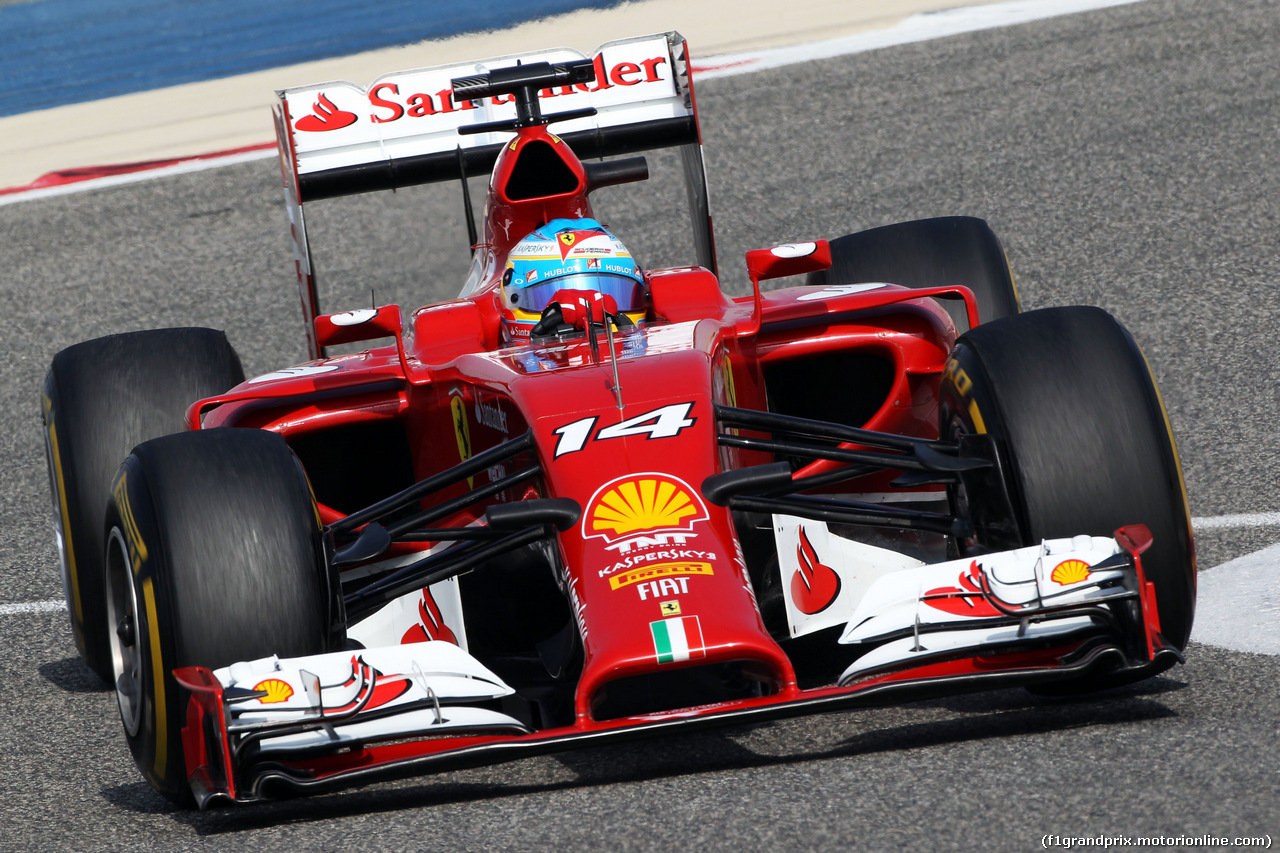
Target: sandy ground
{"x":234,"y":112}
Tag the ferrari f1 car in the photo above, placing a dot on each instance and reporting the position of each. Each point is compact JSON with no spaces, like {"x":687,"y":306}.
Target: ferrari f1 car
{"x":583,"y":501}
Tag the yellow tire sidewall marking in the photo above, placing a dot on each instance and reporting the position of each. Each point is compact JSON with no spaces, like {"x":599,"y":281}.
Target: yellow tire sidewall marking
{"x":133,"y":536}
{"x":138,"y":555}
{"x":964,"y":387}
{"x":976,"y":417}
{"x":1177,"y":463}
{"x":157,"y":680}
{"x":64,"y":518}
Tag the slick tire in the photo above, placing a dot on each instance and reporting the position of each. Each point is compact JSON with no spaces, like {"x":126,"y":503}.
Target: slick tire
{"x":1089,"y":448}
{"x":213,"y":556}
{"x":948,"y":250}
{"x":101,"y":398}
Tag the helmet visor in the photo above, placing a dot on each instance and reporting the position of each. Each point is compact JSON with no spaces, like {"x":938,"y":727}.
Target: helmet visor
{"x":626,"y":291}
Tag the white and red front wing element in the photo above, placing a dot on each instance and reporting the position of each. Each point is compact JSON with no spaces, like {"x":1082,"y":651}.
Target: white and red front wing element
{"x":1060,"y":610}
{"x":907,"y":613}
{"x":1056,"y":572}
{"x":1047,"y":591}
{"x":431,"y":613}
{"x":293,"y":707}
{"x":422,"y":683}
{"x":825,"y":576}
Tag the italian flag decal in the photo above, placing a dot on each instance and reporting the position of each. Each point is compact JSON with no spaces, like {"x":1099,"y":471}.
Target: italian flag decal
{"x":678,"y":639}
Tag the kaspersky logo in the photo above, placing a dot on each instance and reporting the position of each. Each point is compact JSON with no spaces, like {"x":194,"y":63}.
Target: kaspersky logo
{"x":641,"y":503}
{"x":325,"y":116}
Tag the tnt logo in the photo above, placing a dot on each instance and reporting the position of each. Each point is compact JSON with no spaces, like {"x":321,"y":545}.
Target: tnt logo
{"x":657,"y":540}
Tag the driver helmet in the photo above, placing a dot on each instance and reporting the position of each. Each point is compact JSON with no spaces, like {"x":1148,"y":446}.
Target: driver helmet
{"x":567,"y":254}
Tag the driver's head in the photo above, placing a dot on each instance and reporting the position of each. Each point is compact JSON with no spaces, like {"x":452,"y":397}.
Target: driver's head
{"x":567,"y":254}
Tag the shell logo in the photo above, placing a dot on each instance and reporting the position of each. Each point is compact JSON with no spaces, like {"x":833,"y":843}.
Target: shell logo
{"x":639,"y":503}
{"x":1069,"y":572}
{"x":276,"y":690}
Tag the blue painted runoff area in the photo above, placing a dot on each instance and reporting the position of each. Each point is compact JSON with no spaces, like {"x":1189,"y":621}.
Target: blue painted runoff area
{"x":55,"y":52}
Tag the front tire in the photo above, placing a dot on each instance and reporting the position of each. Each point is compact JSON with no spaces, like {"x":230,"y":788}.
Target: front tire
{"x":101,"y":398}
{"x":213,"y":556}
{"x":1088,"y":444}
{"x":948,"y":250}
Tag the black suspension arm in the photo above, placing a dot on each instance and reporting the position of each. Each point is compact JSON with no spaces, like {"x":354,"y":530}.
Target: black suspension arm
{"x":434,"y":568}
{"x":480,"y":462}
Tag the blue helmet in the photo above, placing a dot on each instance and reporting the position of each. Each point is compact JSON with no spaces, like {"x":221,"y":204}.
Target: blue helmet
{"x":567,"y":254}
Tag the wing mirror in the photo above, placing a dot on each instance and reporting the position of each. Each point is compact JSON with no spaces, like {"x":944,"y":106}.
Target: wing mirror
{"x":365,"y":324}
{"x":780,"y":262}
{"x":788,"y":259}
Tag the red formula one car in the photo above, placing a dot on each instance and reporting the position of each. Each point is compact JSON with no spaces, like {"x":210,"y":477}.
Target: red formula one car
{"x":585,"y":501}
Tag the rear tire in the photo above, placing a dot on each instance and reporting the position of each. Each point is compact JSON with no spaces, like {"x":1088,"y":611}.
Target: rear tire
{"x":101,"y":398}
{"x":948,"y":250}
{"x":213,"y":556}
{"x":1089,"y":448}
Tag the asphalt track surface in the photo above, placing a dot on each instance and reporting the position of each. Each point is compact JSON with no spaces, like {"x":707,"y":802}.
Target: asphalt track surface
{"x":1126,"y":158}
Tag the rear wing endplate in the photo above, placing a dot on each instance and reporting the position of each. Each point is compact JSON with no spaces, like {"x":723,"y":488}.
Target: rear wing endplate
{"x":340,"y":138}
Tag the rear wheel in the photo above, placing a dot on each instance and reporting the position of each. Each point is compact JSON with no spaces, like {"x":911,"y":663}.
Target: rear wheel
{"x":950,"y":250}
{"x":1088,"y":445}
{"x":101,"y":398}
{"x":213,"y":555}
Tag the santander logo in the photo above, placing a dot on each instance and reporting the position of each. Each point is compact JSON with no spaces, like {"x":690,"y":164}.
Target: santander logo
{"x":325,"y":116}
{"x":814,"y":586}
{"x":388,"y":103}
{"x":966,"y":599}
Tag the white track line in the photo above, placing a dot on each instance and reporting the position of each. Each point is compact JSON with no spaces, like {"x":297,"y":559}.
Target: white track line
{"x":1256,"y":519}
{"x":924,"y":26}
{"x":28,"y":607}
{"x":1238,"y":604}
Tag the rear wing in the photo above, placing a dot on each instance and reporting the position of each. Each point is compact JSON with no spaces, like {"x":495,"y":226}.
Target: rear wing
{"x":405,"y":129}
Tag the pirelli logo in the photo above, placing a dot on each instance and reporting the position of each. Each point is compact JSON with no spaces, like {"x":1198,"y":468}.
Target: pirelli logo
{"x":661,"y":570}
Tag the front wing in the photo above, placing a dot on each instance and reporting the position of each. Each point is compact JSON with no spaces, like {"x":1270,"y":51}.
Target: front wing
{"x":344,"y":718}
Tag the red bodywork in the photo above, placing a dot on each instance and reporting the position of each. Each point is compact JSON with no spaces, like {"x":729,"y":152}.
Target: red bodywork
{"x":648,"y":545}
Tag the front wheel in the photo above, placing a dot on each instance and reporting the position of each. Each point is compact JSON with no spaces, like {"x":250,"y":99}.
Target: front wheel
{"x":1088,"y":448}
{"x":213,"y":556}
